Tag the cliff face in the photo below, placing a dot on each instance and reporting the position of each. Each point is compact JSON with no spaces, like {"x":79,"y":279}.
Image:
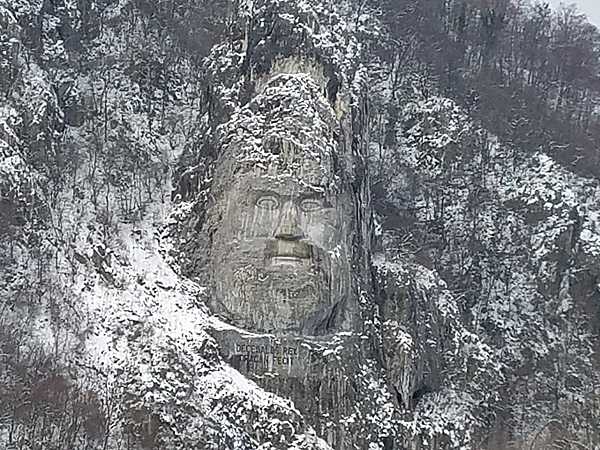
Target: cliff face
{"x":244,"y":225}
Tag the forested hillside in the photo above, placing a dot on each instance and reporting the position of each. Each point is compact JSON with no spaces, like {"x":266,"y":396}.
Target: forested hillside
{"x":480,"y":187}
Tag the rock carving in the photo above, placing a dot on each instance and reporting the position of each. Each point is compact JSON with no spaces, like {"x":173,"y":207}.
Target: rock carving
{"x":281,"y":225}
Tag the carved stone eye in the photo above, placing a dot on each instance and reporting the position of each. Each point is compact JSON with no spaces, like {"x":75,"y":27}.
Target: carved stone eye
{"x":267,"y":202}
{"x":311,"y":204}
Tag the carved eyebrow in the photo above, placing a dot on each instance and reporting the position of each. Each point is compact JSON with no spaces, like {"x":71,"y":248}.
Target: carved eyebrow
{"x":319,"y":196}
{"x":311,"y":194}
{"x":260,"y":192}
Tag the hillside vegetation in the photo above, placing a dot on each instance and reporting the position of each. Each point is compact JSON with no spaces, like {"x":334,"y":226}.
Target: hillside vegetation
{"x":484,"y":161}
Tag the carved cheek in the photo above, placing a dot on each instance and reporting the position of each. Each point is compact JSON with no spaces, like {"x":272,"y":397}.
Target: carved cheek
{"x":314,"y":233}
{"x":321,"y":229}
{"x":250,"y":222}
{"x":264,"y":222}
{"x":236,"y":219}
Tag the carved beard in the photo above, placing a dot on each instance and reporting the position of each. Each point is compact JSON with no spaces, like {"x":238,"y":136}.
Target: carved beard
{"x":268,"y":296}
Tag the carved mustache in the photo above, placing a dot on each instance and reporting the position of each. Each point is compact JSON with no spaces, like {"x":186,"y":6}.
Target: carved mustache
{"x":293,"y":249}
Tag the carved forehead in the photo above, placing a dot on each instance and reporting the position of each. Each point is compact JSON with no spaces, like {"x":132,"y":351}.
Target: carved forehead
{"x":289,"y":129}
{"x":289,"y":186}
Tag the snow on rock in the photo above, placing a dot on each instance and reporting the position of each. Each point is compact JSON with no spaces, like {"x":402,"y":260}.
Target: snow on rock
{"x":148,"y":352}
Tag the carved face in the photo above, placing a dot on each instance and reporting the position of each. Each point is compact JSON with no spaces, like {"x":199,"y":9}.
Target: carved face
{"x":281,"y":252}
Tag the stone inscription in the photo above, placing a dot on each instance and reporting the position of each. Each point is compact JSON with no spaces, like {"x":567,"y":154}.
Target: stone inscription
{"x":265,"y":353}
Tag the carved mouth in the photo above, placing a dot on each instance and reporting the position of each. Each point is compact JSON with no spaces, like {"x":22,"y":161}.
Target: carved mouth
{"x":287,"y":261}
{"x":288,"y":253}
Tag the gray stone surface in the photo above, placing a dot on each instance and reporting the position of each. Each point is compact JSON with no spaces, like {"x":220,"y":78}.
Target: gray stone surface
{"x":317,"y":374}
{"x":285,"y":227}
{"x":281,"y":219}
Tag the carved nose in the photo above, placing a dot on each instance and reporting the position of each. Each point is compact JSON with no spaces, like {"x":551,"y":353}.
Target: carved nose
{"x":289,"y":224}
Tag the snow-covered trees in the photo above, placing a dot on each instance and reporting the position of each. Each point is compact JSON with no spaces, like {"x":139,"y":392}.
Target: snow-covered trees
{"x":512,"y":235}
